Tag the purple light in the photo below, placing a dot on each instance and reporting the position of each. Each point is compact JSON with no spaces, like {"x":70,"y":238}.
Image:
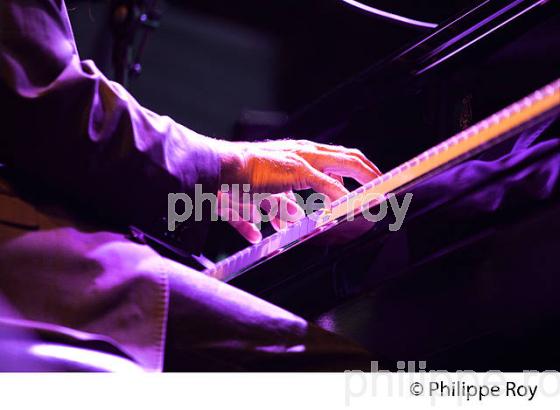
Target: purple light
{"x":390,"y":16}
{"x":483,"y":35}
{"x":85,"y":357}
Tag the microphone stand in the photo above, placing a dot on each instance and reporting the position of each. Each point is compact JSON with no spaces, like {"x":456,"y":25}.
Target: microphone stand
{"x":130,"y":19}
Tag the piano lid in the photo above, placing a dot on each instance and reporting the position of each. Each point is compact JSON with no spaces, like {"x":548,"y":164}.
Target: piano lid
{"x":479,"y":30}
{"x":420,"y":10}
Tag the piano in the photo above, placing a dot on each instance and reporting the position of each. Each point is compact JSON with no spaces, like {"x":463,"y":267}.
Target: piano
{"x":487,"y":78}
{"x":534,"y":109}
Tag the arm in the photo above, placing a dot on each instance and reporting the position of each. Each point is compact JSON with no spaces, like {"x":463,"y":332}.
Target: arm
{"x":65,"y":125}
{"x":68,"y":127}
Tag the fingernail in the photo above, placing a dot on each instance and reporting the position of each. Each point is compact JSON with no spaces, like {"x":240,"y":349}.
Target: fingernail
{"x":255,"y":237}
{"x":294,"y":210}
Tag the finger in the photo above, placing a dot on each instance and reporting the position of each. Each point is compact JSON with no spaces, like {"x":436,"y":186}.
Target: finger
{"x":342,"y":165}
{"x":337,"y":177}
{"x":324,"y":184}
{"x":248,"y":210}
{"x":288,"y":211}
{"x":297,"y":145}
{"x":278,"y":224}
{"x":247,"y":229}
{"x":290,"y":194}
{"x":348,"y":151}
{"x":366,"y":160}
{"x":288,"y":208}
{"x":270,"y":206}
{"x":284,"y":210}
{"x":294,"y":206}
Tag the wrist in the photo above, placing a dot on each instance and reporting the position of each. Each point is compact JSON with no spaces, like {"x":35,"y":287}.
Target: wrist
{"x":232,"y":163}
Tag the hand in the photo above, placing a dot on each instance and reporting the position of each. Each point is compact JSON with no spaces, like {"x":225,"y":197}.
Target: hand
{"x":279,"y":167}
{"x":286,"y":165}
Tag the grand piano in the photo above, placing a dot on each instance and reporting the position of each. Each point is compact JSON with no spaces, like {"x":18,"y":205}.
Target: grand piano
{"x":466,"y":118}
{"x":458,"y":287}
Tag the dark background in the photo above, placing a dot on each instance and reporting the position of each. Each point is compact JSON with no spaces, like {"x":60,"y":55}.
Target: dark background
{"x":214,"y":65}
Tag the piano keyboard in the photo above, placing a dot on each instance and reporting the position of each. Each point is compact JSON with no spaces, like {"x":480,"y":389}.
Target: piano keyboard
{"x":468,"y":142}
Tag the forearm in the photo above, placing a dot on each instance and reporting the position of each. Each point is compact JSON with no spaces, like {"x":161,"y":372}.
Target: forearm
{"x":67,"y":126}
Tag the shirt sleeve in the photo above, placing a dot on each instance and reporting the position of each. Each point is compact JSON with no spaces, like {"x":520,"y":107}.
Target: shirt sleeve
{"x":67,"y":127}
